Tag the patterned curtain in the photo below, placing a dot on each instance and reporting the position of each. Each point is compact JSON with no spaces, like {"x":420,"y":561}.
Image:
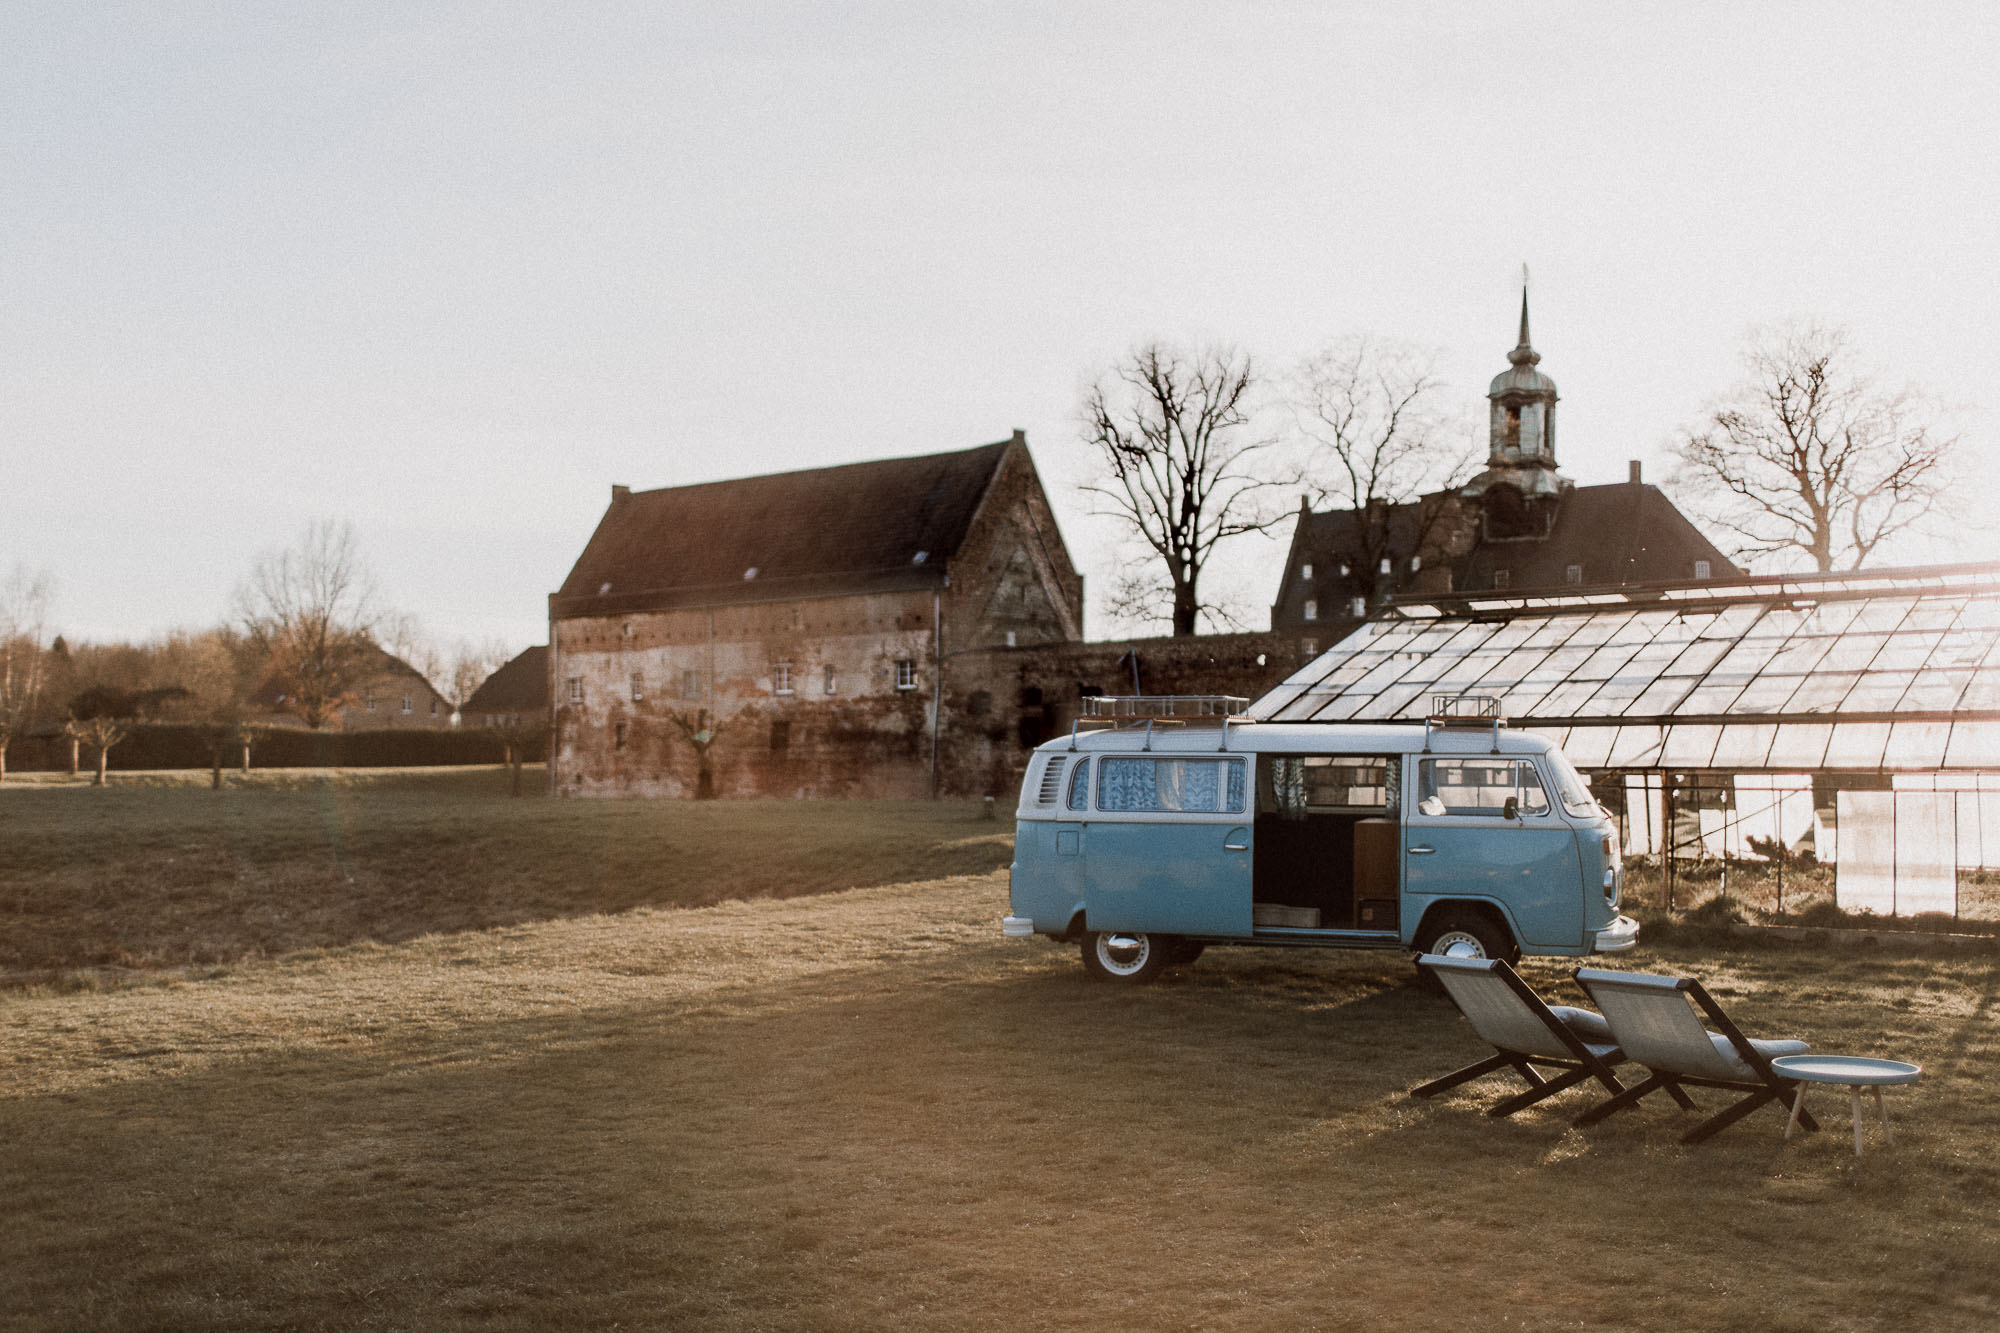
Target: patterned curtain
{"x":1191,"y":786}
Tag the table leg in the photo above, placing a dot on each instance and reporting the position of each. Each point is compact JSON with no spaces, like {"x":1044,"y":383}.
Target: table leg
{"x":1798,"y":1101}
{"x":1888,"y":1135}
{"x":1854,"y":1096}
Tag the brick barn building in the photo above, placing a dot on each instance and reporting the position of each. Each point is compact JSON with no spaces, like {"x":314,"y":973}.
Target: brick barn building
{"x":809,"y":633}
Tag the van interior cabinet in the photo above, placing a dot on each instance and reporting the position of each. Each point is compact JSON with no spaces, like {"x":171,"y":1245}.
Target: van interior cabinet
{"x":1378,"y":846}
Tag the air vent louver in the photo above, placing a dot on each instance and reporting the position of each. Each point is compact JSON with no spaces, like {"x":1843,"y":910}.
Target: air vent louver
{"x":1052,"y":780}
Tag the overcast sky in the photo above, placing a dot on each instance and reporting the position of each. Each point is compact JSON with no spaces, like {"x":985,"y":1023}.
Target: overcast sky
{"x":450,"y":271}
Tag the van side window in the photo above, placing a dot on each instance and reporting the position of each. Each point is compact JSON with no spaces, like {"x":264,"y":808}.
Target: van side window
{"x":1324,"y":784}
{"x":1192,"y":786}
{"x":1079,"y":787}
{"x":1479,"y":787}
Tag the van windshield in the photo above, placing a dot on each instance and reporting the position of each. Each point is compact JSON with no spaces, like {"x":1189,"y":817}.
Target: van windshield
{"x":1571,"y":789}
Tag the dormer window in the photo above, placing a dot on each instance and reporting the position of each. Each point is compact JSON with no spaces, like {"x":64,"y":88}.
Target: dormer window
{"x":920,"y":557}
{"x":1312,"y":609}
{"x":1503,"y":578}
{"x":750,"y":573}
{"x":1573,"y":574}
{"x":1701,"y":569}
{"x":1306,"y":572}
{"x":1358,"y":608}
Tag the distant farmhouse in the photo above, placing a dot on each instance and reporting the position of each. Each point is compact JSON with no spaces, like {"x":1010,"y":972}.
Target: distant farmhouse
{"x":515,"y":695}
{"x":808,"y":633}
{"x":390,"y":694}
{"x":1520,"y":525}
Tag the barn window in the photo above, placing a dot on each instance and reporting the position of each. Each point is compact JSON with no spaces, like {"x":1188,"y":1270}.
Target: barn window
{"x":575,"y":690}
{"x":906,"y":673}
{"x":406,"y":703}
{"x":781,"y":736}
{"x":781,"y":678}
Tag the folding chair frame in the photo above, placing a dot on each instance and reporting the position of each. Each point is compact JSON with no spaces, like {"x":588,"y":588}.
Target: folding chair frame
{"x":1580,"y":1065}
{"x":1767,"y":1087}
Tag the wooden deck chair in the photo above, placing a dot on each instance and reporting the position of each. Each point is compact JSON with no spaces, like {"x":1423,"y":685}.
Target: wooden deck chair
{"x":1524,"y":1031}
{"x":1659,"y":1023}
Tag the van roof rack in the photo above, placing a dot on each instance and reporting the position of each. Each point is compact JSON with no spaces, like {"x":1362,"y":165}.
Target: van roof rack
{"x":1462,"y":712}
{"x":1119,"y":711}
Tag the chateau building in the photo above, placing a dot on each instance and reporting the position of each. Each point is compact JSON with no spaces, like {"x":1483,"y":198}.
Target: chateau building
{"x":1518,"y":525}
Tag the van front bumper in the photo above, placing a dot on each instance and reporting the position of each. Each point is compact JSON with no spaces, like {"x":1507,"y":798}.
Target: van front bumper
{"x":1619,"y":935}
{"x":1017,"y":927}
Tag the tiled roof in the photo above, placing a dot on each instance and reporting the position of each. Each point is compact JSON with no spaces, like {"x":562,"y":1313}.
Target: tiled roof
{"x":1626,"y":532}
{"x":521,"y":686}
{"x":865,"y":526}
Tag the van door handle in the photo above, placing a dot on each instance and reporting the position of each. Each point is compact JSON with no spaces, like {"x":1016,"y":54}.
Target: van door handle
{"x":1421,"y":851}
{"x":1229,"y":843}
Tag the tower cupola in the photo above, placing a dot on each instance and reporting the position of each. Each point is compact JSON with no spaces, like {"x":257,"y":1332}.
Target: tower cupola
{"x":1522,"y":429}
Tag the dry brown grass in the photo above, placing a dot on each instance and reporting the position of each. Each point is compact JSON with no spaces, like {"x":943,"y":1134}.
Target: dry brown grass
{"x":865,"y":1110}
{"x":160,"y":873}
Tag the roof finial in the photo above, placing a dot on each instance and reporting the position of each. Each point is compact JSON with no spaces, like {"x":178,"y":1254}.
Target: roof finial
{"x":1523,"y":354}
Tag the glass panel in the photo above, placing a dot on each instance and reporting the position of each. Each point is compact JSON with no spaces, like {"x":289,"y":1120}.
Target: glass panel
{"x":1346,"y":784}
{"x":1935,"y":691}
{"x":1613,"y":698}
{"x":1852,"y":653}
{"x":1880,"y":614}
{"x":1744,"y":745}
{"x":1567,"y":700}
{"x":1635,"y":747}
{"x":1905,"y":652}
{"x":1553,"y":632}
{"x":1748,"y":657}
{"x":1604,"y":663}
{"x":1857,"y":745}
{"x":1964,"y":648}
{"x":1698,"y":657}
{"x":1917,"y":745}
{"x":1708,"y":699}
{"x":1823,"y":691}
{"x":1660,"y":697}
{"x":1974,"y":745}
{"x":1865,"y":879}
{"x":1929,"y":614}
{"x":1459,"y":677}
{"x":1689,"y":746}
{"x":1830,"y":618}
{"x":1597,"y":630}
{"x":1588,"y":746}
{"x":1410,"y":699}
{"x":1798,"y":656}
{"x":1877,"y":692}
{"x":1983,"y":691}
{"x":1767,"y":694}
{"x":1340,"y":708}
{"x":1512,"y":669}
{"x":1558,"y":665}
{"x":1079,"y":787}
{"x":1732,"y":622}
{"x":1926,"y":864}
{"x":1801,"y":744}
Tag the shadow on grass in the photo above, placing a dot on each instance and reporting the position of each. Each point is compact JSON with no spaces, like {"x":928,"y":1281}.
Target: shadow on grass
{"x":985,"y":1141}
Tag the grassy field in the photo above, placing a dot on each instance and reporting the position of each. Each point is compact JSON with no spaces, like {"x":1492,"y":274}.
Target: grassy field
{"x":157,"y":871}
{"x":864,"y":1109}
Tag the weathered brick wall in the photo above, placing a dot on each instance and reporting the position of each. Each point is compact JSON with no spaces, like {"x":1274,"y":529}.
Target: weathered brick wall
{"x":716,"y":669}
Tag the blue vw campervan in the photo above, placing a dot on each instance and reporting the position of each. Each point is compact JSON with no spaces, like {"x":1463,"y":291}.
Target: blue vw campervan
{"x":1160,"y":833}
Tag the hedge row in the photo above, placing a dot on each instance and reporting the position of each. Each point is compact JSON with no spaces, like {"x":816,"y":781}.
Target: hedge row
{"x":153,"y":745}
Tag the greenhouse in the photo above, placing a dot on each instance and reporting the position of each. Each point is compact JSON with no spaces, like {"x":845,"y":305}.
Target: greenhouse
{"x":1847,"y":719}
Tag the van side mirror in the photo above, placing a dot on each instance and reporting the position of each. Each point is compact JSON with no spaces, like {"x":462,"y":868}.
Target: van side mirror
{"x":1512,"y":810}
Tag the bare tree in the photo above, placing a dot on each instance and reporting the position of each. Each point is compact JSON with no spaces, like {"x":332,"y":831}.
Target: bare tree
{"x":1380,"y":435}
{"x":700,"y":730}
{"x":311,"y":611}
{"x":1808,"y":457}
{"x":1172,"y":428}
{"x":24,"y":611}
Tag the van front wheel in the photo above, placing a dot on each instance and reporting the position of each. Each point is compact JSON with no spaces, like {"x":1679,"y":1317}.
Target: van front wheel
{"x":1123,"y":955}
{"x":1470,"y":935}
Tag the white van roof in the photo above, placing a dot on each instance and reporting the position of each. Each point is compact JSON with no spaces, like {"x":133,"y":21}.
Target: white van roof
{"x":1299,"y":738}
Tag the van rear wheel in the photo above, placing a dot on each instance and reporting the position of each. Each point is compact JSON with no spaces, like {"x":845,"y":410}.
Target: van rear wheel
{"x":1129,"y":956}
{"x":1470,"y":935}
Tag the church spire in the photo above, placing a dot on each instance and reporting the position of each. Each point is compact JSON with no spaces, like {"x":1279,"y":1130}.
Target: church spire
{"x":1523,"y":429}
{"x":1523,"y":354}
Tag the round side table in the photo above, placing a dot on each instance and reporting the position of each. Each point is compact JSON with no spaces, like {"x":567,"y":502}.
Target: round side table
{"x":1854,"y":1072}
